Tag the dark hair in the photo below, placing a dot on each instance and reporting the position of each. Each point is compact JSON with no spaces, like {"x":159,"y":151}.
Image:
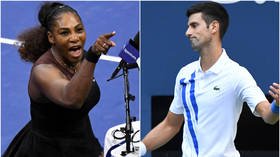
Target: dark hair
{"x":35,"y":39}
{"x":211,"y":11}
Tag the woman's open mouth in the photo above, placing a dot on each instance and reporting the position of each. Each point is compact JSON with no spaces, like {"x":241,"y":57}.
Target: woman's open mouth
{"x":75,"y":51}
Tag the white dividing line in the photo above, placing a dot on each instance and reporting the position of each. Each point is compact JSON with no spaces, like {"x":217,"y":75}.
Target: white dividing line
{"x":110,"y":58}
{"x":10,"y":42}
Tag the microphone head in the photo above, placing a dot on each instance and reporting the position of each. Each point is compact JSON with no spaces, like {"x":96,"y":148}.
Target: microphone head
{"x":129,"y":53}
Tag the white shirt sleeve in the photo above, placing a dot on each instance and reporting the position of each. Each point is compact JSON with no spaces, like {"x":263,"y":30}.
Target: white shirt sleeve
{"x":177,"y":104}
{"x":248,"y":91}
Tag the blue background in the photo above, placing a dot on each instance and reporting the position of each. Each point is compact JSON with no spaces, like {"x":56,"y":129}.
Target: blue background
{"x":252,"y":40}
{"x":98,"y":18}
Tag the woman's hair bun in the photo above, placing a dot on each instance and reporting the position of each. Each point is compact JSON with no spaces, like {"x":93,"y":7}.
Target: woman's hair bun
{"x":46,"y":10}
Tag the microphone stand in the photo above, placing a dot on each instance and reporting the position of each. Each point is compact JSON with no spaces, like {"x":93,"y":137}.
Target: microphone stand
{"x":128,"y":127}
{"x":127,"y":97}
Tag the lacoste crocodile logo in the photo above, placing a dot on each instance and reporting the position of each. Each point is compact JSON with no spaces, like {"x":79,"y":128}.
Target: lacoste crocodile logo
{"x":216,"y":88}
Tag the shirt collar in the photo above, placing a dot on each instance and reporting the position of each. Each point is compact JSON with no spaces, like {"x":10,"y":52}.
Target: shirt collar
{"x":218,"y":66}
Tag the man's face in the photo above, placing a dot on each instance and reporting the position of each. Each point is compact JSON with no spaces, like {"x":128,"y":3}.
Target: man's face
{"x":198,"y":32}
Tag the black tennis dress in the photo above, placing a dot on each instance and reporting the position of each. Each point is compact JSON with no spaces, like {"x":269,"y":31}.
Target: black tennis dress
{"x":54,"y":131}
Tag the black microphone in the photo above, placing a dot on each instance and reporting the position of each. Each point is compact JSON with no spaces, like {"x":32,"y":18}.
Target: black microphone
{"x":119,"y":67}
{"x":129,"y":55}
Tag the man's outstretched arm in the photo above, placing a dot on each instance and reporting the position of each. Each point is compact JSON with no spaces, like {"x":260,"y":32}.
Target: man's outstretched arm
{"x":164,"y":131}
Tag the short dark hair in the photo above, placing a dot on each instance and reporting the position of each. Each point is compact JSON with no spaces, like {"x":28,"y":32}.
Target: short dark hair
{"x":211,"y":11}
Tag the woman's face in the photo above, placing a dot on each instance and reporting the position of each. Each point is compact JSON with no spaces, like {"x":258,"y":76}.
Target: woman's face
{"x":68,"y":37}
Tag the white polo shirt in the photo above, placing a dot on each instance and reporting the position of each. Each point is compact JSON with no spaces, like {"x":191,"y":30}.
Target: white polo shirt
{"x":211,"y":102}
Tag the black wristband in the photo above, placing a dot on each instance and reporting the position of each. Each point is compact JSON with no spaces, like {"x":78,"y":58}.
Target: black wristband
{"x":92,"y":56}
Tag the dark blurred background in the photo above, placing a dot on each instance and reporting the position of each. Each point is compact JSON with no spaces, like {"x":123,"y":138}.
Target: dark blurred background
{"x":252,"y":40}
